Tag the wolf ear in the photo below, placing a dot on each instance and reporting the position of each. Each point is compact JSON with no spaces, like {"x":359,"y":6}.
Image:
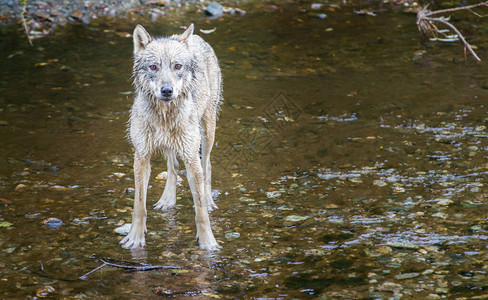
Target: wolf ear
{"x":185,"y":35}
{"x":141,"y":38}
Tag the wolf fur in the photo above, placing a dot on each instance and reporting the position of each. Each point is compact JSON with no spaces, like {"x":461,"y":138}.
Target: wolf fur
{"x":178,"y":91}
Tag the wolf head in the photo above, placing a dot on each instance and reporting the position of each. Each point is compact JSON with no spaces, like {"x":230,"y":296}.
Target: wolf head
{"x":163,"y":67}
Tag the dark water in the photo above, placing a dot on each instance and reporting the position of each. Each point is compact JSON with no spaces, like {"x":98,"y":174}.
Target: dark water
{"x":350,"y":162}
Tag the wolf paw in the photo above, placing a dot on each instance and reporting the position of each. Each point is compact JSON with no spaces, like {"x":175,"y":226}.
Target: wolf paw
{"x":133,"y":240}
{"x":208,"y":244}
{"x":211,"y":206}
{"x":165,"y":204}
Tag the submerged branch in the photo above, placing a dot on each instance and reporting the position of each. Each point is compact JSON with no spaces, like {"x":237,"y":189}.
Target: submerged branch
{"x":130,"y":268}
{"x":24,"y":22}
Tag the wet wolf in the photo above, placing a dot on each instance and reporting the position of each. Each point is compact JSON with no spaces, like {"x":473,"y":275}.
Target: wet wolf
{"x":178,"y":91}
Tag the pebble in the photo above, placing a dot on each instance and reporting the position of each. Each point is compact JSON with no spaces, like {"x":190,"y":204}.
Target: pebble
{"x":390,"y":287}
{"x":316,"y":5}
{"x":295,"y":218}
{"x":273,"y":194}
{"x":45,"y":292}
{"x":440,"y":215}
{"x":20,"y":187}
{"x":130,"y":191}
{"x":407,"y":275}
{"x":379,"y":183}
{"x":445,"y":202}
{"x":232,"y":235}
{"x":53,"y":223}
{"x":402,"y":245}
{"x":123,"y":230}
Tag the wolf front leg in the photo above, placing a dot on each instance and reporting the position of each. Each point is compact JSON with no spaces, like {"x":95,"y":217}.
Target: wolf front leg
{"x":136,"y":238}
{"x":205,"y":235}
{"x":168,"y":199}
{"x":209,"y":123}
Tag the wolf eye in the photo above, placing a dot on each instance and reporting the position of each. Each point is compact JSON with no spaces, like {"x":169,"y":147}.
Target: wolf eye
{"x":178,"y":66}
{"x":153,"y":67}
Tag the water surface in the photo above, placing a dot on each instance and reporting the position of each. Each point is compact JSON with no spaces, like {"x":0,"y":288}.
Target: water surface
{"x":350,"y":162}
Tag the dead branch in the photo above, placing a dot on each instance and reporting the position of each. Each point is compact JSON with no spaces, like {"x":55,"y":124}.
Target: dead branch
{"x":24,"y":22}
{"x":130,"y":268}
{"x":426,"y":23}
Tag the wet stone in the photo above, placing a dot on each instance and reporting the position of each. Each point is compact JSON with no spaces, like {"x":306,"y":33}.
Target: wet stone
{"x":407,"y":275}
{"x":214,"y":9}
{"x":123,"y":230}
{"x":402,"y":245}
{"x":232,"y":235}
{"x":379,"y":183}
{"x":53,"y":223}
{"x":295,"y":218}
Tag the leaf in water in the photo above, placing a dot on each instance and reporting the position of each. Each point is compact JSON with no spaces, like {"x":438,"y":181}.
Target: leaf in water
{"x":41,"y":64}
{"x":209,"y":31}
{"x":6,"y":224}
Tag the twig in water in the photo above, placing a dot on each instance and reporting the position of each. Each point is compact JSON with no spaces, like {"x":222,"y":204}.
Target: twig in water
{"x":426,"y":23}
{"x":24,"y":22}
{"x":129,"y":268}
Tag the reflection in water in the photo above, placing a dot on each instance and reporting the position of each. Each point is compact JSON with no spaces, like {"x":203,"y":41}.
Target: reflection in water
{"x":349,"y":164}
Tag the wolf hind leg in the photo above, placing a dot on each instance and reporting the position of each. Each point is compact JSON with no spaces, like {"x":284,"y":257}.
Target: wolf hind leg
{"x":168,"y":198}
{"x":205,"y":235}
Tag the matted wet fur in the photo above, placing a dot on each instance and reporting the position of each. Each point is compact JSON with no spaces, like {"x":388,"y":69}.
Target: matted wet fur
{"x":178,"y":91}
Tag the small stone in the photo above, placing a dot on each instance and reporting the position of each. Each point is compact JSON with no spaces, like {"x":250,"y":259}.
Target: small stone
{"x":315,"y":252}
{"x":45,"y":292}
{"x":294,"y":186}
{"x":273,"y":194}
{"x":240,"y":12}
{"x":295,"y":218}
{"x":407,"y":275}
{"x":119,"y":175}
{"x":130,"y":191}
{"x":385,"y":250}
{"x":77,"y":15}
{"x":59,"y":188}
{"x":440,"y":215}
{"x":232,"y":235}
{"x":316,"y":5}
{"x":379,"y":183}
{"x":123,"y":230}
{"x":401,"y":245}
{"x":53,"y":223}
{"x":390,"y":287}
{"x":445,"y":202}
{"x":20,"y":187}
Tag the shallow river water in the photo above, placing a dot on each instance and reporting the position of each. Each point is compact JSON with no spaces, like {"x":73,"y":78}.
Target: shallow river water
{"x":350,"y":162}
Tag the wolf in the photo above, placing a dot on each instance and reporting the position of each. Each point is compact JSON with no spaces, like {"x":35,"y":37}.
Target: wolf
{"x":178,"y":92}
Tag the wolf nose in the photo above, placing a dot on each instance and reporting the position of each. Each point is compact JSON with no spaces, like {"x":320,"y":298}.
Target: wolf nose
{"x":167,"y":91}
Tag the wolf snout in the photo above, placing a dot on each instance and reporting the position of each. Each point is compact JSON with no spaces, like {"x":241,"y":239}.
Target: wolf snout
{"x":167,"y":91}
